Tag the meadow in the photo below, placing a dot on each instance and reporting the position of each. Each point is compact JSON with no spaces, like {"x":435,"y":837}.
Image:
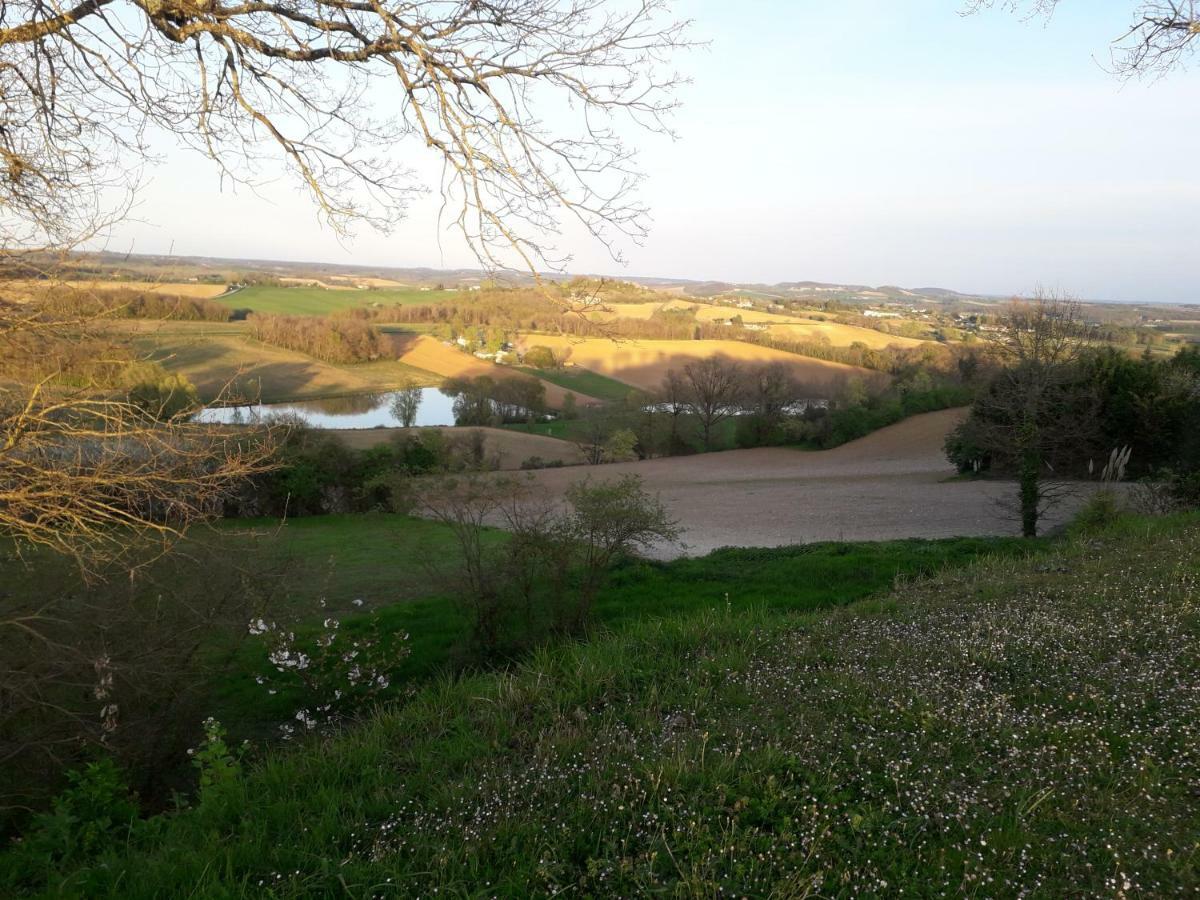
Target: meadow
{"x":1021,"y":725}
{"x":781,"y":579}
{"x":318,"y":301}
{"x":583,"y":382}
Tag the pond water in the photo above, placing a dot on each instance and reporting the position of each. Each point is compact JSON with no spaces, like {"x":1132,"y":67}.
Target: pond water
{"x":355,"y":411}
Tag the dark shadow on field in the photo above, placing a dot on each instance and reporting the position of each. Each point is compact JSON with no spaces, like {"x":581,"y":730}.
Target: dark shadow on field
{"x":821,"y":378}
{"x":276,"y":381}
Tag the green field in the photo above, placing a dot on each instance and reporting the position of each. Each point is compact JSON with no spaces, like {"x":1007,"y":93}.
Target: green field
{"x":315,"y":301}
{"x":1017,"y":726}
{"x":582,"y":381}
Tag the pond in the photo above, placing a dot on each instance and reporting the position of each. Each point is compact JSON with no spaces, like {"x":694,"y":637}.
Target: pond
{"x":355,"y":411}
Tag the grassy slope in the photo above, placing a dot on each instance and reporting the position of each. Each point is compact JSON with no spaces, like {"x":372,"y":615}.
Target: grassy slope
{"x":313,"y":301}
{"x":1012,"y":725}
{"x":383,"y":560}
{"x":224,"y":359}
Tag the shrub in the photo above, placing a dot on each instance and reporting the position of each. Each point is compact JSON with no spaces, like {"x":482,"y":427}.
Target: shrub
{"x":92,"y":813}
{"x":1101,"y":511}
{"x":549,"y":573}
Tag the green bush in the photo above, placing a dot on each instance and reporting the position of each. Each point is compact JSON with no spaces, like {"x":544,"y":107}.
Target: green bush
{"x":91,"y":815}
{"x":1101,"y":511}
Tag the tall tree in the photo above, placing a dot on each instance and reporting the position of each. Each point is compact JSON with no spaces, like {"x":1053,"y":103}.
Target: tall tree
{"x":715,"y":391}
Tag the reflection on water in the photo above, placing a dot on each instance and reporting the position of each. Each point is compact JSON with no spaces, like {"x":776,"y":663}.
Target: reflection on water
{"x":355,"y":411}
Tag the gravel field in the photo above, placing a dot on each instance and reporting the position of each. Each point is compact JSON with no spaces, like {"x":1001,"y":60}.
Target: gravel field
{"x":894,"y":483}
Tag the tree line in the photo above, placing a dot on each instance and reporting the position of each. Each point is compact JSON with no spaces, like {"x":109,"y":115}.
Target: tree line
{"x":335,"y":340}
{"x":129,"y":303}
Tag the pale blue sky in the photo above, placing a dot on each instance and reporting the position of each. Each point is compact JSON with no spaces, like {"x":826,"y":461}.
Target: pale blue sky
{"x":880,"y":141}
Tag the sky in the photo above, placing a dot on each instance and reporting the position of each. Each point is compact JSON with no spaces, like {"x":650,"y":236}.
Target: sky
{"x":874,"y":142}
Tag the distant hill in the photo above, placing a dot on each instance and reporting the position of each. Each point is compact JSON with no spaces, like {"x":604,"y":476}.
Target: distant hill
{"x":109,"y":265}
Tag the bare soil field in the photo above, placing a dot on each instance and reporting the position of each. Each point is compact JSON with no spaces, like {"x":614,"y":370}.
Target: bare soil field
{"x":644,"y":364}
{"x":513,"y":447}
{"x":892,"y":484}
{"x":430,"y":354}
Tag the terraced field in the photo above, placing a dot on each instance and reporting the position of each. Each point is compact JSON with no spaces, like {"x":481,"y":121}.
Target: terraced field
{"x":510,"y":447}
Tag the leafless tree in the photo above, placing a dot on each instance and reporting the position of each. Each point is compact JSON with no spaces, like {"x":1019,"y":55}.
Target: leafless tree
{"x":1160,"y":37}
{"x":332,"y":88}
{"x":715,"y":391}
{"x":86,"y":471}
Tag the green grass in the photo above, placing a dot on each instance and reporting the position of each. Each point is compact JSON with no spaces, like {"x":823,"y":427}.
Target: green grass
{"x":382,"y":561}
{"x":563,"y":429}
{"x":374,"y":557}
{"x":313,"y":301}
{"x":1013,"y":727}
{"x":583,"y":381}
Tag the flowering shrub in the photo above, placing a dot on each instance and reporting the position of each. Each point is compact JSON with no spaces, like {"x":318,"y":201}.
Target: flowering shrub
{"x":332,"y":673}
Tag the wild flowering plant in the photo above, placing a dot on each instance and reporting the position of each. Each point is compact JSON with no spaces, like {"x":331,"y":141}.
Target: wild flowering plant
{"x":217,"y":762}
{"x":333,"y":672}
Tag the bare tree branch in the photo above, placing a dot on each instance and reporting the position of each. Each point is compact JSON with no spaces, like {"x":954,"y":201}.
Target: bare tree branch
{"x":1161,"y":35}
{"x":335,"y":88}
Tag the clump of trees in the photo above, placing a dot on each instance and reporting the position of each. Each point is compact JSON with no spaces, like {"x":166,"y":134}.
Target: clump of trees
{"x":330,"y":339}
{"x":546,"y":578}
{"x":317,"y":474}
{"x":488,"y":401}
{"x":116,"y":667}
{"x":1063,"y":402}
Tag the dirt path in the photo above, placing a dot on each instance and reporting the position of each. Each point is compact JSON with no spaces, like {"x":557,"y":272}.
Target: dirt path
{"x":890,"y":484}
